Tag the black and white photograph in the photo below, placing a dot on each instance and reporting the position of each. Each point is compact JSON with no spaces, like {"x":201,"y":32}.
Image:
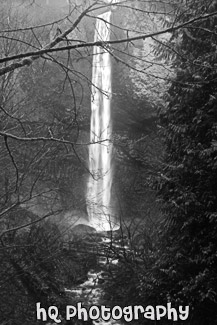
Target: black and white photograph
{"x":108,"y":162}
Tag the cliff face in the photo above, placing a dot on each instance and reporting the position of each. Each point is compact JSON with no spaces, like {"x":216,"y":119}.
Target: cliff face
{"x":139,"y":77}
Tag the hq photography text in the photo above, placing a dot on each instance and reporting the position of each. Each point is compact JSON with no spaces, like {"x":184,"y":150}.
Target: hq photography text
{"x":105,"y":313}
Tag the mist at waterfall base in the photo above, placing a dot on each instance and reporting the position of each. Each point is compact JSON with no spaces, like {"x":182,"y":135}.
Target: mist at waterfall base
{"x":99,"y":204}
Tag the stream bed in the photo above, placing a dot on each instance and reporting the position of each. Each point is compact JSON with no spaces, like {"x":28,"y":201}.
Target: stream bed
{"x":91,"y":292}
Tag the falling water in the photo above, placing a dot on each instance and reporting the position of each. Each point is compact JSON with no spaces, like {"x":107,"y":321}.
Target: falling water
{"x":100,"y":210}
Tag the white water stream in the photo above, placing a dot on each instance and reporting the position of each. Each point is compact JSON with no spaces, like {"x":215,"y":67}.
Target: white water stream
{"x":100,"y":209}
{"x":91,"y":292}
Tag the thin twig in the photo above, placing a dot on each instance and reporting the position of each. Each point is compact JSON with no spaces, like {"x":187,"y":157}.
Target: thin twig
{"x":13,"y":161}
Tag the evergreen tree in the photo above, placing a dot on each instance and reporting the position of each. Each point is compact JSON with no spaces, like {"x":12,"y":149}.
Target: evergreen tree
{"x":187,"y":268}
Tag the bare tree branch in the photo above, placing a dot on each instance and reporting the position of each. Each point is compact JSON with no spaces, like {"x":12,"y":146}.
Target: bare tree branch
{"x":4,"y":134}
{"x":13,"y":161}
{"x":29,"y":57}
{"x":19,"y":203}
{"x":37,"y":26}
{"x":29,"y":223}
{"x":53,"y":43}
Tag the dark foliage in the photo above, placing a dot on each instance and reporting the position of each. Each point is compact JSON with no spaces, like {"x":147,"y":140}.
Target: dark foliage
{"x":186,"y":269}
{"x":37,"y":267}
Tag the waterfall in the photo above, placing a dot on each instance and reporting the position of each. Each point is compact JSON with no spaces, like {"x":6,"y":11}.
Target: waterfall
{"x":100,"y":210}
